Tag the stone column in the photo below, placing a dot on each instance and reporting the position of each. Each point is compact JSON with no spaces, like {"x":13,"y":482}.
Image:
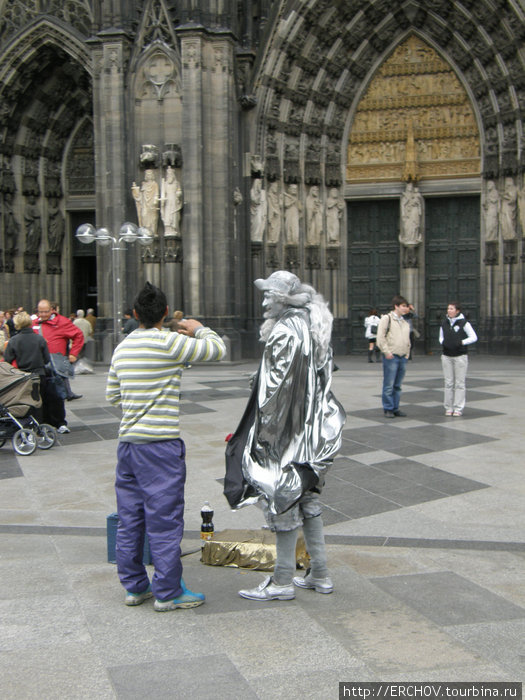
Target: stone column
{"x":208,"y":127}
{"x":193,"y":145}
{"x":110,"y":51}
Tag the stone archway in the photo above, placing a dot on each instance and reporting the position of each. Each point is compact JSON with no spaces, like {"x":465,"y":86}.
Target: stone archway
{"x":45,"y":92}
{"x":415,"y":124}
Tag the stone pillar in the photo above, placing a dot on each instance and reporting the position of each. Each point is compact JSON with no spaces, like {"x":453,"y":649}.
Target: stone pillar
{"x":110,"y":51}
{"x":193,"y":144}
{"x":208,"y":128}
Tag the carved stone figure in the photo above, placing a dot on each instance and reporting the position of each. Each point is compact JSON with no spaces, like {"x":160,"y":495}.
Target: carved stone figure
{"x":11,"y":225}
{"x":292,"y":213}
{"x":258,"y":211}
{"x":491,"y":209}
{"x":171,"y":203}
{"x":314,"y":217}
{"x":56,"y":226}
{"x":275,"y":203}
{"x":33,"y":224}
{"x":334,"y":211}
{"x":521,"y":208}
{"x":147,"y":201}
{"x":411,"y":214}
{"x":508,"y":207}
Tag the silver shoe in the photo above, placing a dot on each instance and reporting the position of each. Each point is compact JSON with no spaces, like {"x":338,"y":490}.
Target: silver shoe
{"x":268,"y":590}
{"x":321,"y":585}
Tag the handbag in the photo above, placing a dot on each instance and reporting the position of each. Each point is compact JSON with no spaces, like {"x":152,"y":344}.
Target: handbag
{"x":373,"y":329}
{"x":62,"y":365}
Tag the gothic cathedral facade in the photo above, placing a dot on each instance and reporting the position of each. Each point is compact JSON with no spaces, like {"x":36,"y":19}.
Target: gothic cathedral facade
{"x":371,"y":147}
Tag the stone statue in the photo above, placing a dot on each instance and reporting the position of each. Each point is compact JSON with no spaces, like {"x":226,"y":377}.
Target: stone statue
{"x":33,"y":224}
{"x":56,"y":226}
{"x":508,"y":207}
{"x":314,"y":217}
{"x":258,"y":211}
{"x":334,"y":211}
{"x":237,"y":197}
{"x":411,"y":214}
{"x":171,"y":203}
{"x":275,"y":203}
{"x":521,"y":208}
{"x":292,"y":212}
{"x":147,"y":201}
{"x":491,"y":208}
{"x":11,"y":225}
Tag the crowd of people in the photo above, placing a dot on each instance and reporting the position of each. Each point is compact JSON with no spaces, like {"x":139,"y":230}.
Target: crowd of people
{"x":48,"y":345}
{"x":282,"y":449}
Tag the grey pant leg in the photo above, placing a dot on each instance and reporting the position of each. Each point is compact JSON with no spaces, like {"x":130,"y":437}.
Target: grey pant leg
{"x":314,"y":538}
{"x":286,"y":564}
{"x":448,"y":372}
{"x":460,"y":375}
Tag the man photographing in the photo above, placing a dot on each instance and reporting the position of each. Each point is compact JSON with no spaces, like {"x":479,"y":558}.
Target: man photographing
{"x":144,"y":379}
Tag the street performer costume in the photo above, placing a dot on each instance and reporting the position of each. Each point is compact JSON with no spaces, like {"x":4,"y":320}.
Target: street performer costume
{"x":290,"y":432}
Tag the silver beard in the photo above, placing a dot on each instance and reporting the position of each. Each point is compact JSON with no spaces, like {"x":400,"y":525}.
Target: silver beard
{"x":266,"y":329}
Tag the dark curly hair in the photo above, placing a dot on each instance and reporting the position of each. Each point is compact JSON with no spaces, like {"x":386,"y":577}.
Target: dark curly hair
{"x":150,"y":305}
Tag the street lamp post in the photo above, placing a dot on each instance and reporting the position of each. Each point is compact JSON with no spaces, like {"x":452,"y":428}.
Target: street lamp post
{"x":129,"y":233}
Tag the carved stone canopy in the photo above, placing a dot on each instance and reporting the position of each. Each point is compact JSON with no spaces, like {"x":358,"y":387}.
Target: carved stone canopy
{"x":415,"y":121}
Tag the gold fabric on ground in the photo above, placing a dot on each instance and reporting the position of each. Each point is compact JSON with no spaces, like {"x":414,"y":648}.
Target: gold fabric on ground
{"x":248,"y":549}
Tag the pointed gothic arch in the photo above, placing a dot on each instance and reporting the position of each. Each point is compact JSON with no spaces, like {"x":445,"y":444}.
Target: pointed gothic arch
{"x":413,"y":120}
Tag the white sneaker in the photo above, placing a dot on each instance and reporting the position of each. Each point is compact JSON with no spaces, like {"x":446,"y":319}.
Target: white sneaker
{"x":63,"y":429}
{"x":321,"y":585}
{"x":449,"y":412}
{"x":268,"y":590}
{"x":457,"y":413}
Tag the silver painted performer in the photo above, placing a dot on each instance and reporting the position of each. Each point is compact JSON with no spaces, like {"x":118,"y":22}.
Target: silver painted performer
{"x":290,"y":432}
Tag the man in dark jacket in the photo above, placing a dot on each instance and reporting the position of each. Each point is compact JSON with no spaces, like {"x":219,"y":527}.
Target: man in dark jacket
{"x":455,"y":335}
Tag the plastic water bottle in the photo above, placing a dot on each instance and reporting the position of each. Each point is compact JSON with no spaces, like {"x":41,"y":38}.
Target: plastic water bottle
{"x":207,"y":528}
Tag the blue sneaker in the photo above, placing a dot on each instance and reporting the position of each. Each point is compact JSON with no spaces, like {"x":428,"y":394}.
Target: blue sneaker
{"x":187,"y":599}
{"x":138,"y":598}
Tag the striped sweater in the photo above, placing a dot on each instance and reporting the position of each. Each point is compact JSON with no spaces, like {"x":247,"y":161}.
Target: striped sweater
{"x":144,"y":379}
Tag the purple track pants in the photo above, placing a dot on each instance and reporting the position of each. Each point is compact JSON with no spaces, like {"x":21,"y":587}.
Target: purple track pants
{"x":150,"y":498}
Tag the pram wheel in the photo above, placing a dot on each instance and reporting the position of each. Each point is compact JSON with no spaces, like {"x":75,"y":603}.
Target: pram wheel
{"x":24,"y":442}
{"x":45,"y":436}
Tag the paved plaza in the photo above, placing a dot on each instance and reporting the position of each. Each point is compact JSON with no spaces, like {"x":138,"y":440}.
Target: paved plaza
{"x":425,"y":524}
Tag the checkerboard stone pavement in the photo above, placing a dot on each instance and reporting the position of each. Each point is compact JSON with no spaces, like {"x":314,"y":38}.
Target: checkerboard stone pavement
{"x":424,"y":523}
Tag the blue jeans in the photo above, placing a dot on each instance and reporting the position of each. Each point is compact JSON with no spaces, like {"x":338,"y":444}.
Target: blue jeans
{"x":393,"y":373}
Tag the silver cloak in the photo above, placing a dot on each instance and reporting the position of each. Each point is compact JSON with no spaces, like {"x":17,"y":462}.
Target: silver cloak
{"x":297,"y":422}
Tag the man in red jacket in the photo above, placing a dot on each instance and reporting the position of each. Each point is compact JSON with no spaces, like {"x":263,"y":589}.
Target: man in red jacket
{"x":58,"y":331}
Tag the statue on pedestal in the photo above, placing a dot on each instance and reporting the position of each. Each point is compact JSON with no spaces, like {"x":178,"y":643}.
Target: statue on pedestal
{"x":258,"y":211}
{"x":147,"y":201}
{"x":292,"y":209}
{"x":314,"y":217}
{"x":275,"y":203}
{"x":491,"y":208}
{"x":171,"y":203}
{"x":56,"y":226}
{"x":334,"y":211}
{"x":508,"y":207}
{"x":33,"y":224}
{"x":411,"y":215}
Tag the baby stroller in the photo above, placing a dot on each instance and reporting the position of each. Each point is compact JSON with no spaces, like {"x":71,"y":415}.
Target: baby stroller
{"x":19,"y":395}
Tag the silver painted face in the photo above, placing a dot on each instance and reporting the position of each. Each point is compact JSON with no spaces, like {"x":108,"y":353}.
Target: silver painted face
{"x":273,"y":308}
